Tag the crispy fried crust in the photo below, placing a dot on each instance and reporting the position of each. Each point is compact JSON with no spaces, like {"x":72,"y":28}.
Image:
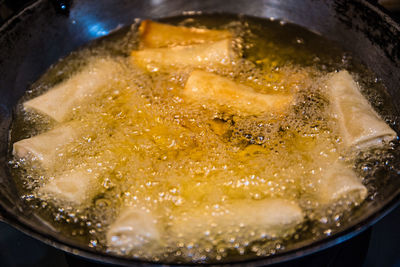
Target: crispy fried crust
{"x":156,"y":35}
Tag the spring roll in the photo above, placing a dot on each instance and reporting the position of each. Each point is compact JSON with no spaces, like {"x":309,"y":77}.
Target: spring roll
{"x":231,"y":97}
{"x":268,"y":217}
{"x":75,"y":186}
{"x":155,"y":35}
{"x":43,"y":148}
{"x":340,"y":182}
{"x":132,"y":229}
{"x":359,"y":125}
{"x":200,"y":56}
{"x":59,"y":101}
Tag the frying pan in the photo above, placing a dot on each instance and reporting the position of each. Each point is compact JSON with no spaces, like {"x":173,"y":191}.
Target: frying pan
{"x":46,"y":31}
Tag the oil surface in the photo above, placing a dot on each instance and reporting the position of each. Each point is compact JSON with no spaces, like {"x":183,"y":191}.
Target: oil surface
{"x":149,"y":148}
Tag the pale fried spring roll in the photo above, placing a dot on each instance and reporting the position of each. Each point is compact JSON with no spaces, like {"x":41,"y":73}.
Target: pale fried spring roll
{"x":360,"y":126}
{"x":268,"y":217}
{"x":231,"y":97}
{"x":75,"y":186}
{"x":338,"y":181}
{"x":201,"y":55}
{"x":132,"y":229}
{"x":44,"y":147}
{"x":154,"y":35}
{"x":59,"y":101}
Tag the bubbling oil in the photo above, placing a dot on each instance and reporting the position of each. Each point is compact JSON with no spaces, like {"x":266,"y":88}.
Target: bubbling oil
{"x":148,"y":148}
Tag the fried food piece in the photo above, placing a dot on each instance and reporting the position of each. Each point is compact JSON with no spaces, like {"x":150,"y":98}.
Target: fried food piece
{"x":75,"y":186}
{"x":59,"y":101}
{"x":198,"y":56}
{"x":231,"y":97}
{"x":359,"y":125}
{"x":132,"y":229}
{"x":337,"y":182}
{"x":155,"y":35}
{"x":273,"y":216}
{"x":44,"y":147}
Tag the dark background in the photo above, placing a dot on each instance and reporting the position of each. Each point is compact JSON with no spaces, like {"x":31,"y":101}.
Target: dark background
{"x":376,"y":247}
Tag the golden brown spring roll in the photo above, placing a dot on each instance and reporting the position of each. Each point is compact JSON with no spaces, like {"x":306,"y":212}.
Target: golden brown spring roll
{"x":75,"y":186}
{"x":340,"y":182}
{"x":231,"y":97}
{"x":44,"y":147}
{"x":155,"y":35}
{"x":199,"y":56}
{"x":360,"y":126}
{"x":132,"y":229}
{"x":269,"y":217}
{"x":59,"y":101}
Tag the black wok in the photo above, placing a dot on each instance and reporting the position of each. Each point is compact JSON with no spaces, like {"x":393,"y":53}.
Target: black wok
{"x":46,"y":31}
